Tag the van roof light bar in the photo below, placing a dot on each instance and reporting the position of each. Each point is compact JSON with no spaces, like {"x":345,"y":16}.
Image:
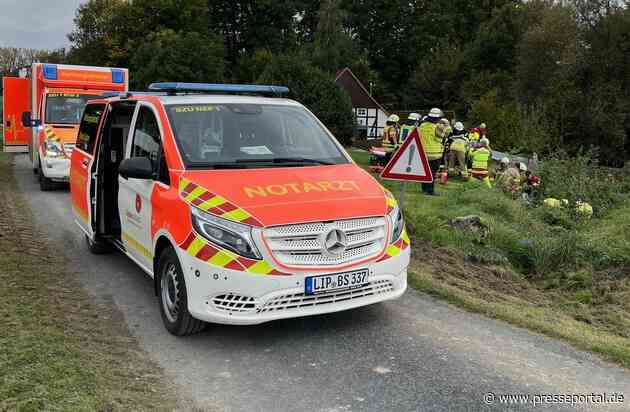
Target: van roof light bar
{"x":175,"y":87}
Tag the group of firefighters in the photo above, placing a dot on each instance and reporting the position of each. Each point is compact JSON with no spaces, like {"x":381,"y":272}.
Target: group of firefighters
{"x":446,"y":145}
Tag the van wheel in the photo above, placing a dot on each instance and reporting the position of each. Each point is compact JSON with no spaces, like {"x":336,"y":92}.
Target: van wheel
{"x":173,"y":298}
{"x":45,"y":184}
{"x":97,"y":247}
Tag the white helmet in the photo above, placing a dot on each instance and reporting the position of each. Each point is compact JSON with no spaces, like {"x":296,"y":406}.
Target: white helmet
{"x":484,"y":141}
{"x":459,"y":126}
{"x":414,"y":116}
{"x":393,"y":118}
{"x":505,"y":160}
{"x":435,"y":112}
{"x":482,"y":126}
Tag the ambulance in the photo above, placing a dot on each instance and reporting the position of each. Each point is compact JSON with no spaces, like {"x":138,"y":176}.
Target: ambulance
{"x":42,"y":110}
{"x":241,"y":206}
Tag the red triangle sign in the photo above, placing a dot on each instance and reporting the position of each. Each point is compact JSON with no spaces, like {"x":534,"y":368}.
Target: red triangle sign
{"x":409,"y":162}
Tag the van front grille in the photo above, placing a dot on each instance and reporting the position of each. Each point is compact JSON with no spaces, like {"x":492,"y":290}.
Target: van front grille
{"x":304,"y":244}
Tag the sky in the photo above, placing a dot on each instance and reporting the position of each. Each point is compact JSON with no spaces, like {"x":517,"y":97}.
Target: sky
{"x":36,"y":24}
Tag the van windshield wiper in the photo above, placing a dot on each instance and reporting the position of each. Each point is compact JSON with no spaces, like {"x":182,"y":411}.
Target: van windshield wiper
{"x":296,"y":160}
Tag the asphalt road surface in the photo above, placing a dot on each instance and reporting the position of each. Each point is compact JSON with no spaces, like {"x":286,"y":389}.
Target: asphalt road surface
{"x":412,"y":354}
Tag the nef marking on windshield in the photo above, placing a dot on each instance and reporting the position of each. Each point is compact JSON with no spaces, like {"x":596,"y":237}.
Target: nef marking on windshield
{"x":299,"y":188}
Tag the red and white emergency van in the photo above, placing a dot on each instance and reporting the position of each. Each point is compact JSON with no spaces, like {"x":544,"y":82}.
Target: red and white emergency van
{"x":242,"y":208}
{"x":42,"y":110}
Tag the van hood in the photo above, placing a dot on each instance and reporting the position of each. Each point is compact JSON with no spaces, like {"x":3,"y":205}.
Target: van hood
{"x":66,"y":133}
{"x":276,"y":196}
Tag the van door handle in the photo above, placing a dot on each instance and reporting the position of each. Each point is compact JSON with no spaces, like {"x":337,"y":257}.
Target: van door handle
{"x":85,"y":163}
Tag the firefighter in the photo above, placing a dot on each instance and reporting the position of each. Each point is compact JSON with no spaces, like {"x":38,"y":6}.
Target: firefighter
{"x":477,"y":133}
{"x":413,"y":120}
{"x":390,"y":133}
{"x":457,"y":155}
{"x":480,"y":159}
{"x":432,"y":144}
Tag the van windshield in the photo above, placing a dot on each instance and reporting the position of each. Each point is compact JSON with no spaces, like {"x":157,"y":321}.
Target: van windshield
{"x":250,"y":135}
{"x":66,"y":108}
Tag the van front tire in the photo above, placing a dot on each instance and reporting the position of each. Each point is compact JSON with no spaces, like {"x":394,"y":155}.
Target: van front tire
{"x":172,"y":296}
{"x":45,"y":184}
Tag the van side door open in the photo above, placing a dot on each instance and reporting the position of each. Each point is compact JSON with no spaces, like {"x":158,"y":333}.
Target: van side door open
{"x":134,"y":199}
{"x":82,"y":160}
{"x":16,"y":100}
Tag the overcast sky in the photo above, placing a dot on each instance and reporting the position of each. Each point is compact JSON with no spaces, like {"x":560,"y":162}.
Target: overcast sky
{"x":36,"y":24}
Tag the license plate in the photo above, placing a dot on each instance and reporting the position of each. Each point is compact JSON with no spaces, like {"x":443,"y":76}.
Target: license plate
{"x":335,"y":281}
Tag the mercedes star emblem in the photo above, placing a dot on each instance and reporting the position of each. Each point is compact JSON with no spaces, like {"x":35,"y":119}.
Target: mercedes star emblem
{"x":335,"y":242}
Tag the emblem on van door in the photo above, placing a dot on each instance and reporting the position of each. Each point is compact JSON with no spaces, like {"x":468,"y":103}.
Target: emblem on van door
{"x":335,"y":242}
{"x":138,"y":204}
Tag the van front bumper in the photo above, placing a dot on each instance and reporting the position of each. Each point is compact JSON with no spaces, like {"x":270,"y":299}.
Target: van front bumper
{"x":220,"y":295}
{"x":56,"y":169}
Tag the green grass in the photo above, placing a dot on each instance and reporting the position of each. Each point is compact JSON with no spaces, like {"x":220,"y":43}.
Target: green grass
{"x":537,"y":268}
{"x":59,"y":351}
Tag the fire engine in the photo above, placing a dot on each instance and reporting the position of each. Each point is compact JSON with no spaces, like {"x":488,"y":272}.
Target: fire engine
{"x":42,"y":110}
{"x":242,"y":207}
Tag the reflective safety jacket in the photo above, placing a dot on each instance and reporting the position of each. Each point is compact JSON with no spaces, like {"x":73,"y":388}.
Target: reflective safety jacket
{"x":430,"y":141}
{"x":390,"y":137}
{"x":459,"y":143}
{"x":480,"y":159}
{"x":405,"y":131}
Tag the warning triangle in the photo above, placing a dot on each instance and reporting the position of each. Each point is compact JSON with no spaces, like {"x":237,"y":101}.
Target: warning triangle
{"x":409,"y":162}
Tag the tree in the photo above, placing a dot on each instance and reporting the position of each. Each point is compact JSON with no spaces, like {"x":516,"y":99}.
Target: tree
{"x":316,"y":90}
{"x":171,"y":56}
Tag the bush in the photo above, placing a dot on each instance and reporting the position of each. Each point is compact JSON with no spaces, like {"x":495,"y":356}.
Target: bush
{"x":316,"y":90}
{"x":579,"y":179}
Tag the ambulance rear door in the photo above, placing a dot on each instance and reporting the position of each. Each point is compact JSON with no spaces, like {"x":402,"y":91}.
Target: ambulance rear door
{"x":16,"y":100}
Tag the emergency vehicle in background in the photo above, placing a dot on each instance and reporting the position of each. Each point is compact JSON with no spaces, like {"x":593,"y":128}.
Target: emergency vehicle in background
{"x":42,"y":110}
{"x":243,"y":209}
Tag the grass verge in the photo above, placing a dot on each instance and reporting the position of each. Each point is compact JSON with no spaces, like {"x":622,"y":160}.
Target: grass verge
{"x":59,"y":351}
{"x":535,"y":267}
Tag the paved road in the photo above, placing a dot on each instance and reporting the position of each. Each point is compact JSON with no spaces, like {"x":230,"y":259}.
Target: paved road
{"x":409,"y":355}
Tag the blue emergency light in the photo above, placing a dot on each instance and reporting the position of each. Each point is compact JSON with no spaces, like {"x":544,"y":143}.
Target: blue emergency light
{"x":118,"y":76}
{"x":50,"y":71}
{"x":174,"y":87}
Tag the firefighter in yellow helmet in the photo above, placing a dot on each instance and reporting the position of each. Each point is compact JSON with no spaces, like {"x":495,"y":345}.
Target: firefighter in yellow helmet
{"x":480,"y":160}
{"x":432,"y":144}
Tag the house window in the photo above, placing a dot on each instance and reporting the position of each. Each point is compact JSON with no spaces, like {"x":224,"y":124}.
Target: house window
{"x":361,"y":112}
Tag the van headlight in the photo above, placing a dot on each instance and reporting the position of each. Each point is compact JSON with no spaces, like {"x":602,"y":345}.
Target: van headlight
{"x":53,"y":148}
{"x":398,"y":223}
{"x":236,"y":237}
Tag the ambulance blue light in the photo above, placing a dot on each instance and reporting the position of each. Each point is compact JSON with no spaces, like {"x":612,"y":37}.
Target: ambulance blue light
{"x":174,"y":87}
{"x":118,"y":76}
{"x":50,"y":71}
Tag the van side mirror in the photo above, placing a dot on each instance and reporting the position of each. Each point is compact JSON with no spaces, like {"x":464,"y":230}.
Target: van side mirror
{"x":136,"y":168}
{"x":27,"y":120}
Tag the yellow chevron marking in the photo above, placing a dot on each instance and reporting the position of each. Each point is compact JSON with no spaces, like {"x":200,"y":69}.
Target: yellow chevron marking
{"x":195,"y":246}
{"x":222,"y":258}
{"x":183,"y":183}
{"x":212,"y":202}
{"x":236,"y":214}
{"x":261,"y":268}
{"x":404,"y":236}
{"x":393,"y":250}
{"x":198,"y":191}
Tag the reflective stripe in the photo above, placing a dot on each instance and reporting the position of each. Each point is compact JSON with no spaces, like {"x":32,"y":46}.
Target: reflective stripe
{"x":430,"y":141}
{"x":480,"y":158}
{"x":198,"y":247}
{"x":214,"y":204}
{"x":394,"y":249}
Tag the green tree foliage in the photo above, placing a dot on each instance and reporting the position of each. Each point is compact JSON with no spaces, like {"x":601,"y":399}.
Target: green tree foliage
{"x":542,"y":73}
{"x":170,"y":56}
{"x":315,"y":89}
